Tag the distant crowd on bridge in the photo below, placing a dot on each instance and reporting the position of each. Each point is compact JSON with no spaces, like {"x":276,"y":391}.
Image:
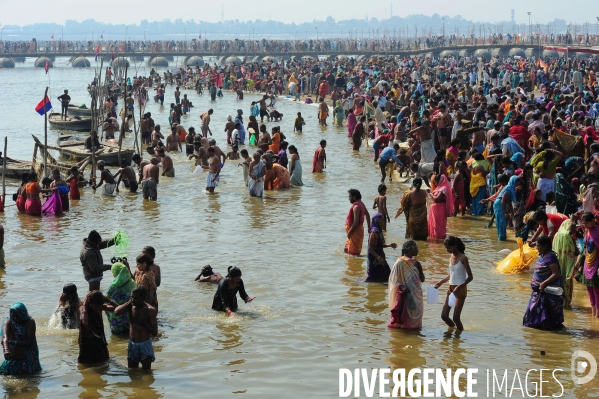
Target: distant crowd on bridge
{"x":385,"y":43}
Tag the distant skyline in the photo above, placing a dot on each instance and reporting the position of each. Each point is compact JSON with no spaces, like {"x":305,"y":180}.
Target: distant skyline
{"x":134,"y":11}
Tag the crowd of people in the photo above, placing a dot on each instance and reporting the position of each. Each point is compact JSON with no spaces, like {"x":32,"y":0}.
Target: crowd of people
{"x":381,"y":40}
{"x":507,"y":137}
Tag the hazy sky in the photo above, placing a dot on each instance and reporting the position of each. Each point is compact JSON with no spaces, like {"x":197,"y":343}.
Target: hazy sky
{"x":132,"y":11}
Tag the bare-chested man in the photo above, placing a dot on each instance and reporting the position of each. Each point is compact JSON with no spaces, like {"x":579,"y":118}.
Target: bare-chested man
{"x":593,"y":161}
{"x":150,"y":179}
{"x":424,"y":134}
{"x":218,"y":152}
{"x":172,"y":141}
{"x":263,"y":108}
{"x":213,"y":170}
{"x":127,"y":175}
{"x":146,"y":126}
{"x":143,"y":326}
{"x":234,"y":154}
{"x":264,"y":140}
{"x":443,"y":122}
{"x":168,"y":169}
{"x":205,"y":127}
{"x":269,"y":173}
{"x":156,"y":136}
{"x":200,"y":154}
{"x":107,"y":179}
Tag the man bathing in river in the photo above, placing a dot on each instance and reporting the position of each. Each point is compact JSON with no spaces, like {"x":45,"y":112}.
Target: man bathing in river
{"x":150,"y":178}
{"x":128,"y":176}
{"x":213,"y":170}
{"x":107,"y":179}
{"x":143,"y":326}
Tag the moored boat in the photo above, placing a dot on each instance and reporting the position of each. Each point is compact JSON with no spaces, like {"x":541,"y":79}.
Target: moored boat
{"x":75,"y":110}
{"x":15,"y":167}
{"x":73,"y":148}
{"x":70,"y":123}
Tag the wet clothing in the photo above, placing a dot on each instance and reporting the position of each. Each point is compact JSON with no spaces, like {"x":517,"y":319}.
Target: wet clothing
{"x":225,"y":297}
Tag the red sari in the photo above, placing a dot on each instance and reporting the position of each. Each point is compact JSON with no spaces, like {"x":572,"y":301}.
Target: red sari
{"x":74,"y":189}
{"x":317,"y":163}
{"x":353,"y":244}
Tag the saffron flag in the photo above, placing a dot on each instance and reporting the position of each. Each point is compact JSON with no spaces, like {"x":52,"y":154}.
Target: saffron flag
{"x":40,"y":109}
{"x":47,"y":67}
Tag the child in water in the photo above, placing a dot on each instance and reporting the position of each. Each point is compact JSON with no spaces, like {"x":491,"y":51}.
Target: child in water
{"x":298,"y":123}
{"x":225,"y":298}
{"x":459,"y":277}
{"x":380,"y":203}
{"x":207,"y":275}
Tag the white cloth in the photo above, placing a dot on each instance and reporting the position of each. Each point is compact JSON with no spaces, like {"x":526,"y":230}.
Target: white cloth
{"x":457,"y":273}
{"x":109,"y":189}
{"x":546,"y":186}
{"x":209,"y":182}
{"x":427,"y":151}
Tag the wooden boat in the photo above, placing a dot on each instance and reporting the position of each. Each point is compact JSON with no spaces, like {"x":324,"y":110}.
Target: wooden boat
{"x":83,"y":112}
{"x":73,"y":148}
{"x":70,"y":123}
{"x":15,"y":168}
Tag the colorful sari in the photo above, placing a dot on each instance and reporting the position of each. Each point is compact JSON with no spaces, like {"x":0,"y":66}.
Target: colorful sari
{"x":317,"y":163}
{"x":500,"y":216}
{"x":353,"y":244}
{"x":351,"y":124}
{"x":377,"y":271}
{"x":416,"y":222}
{"x":276,"y":143}
{"x":120,"y":292}
{"x":478,"y":190}
{"x":545,"y":311}
{"x":440,"y":211}
{"x":565,"y":248}
{"x":405,"y":295}
{"x":589,"y":276}
{"x":147,"y":279}
{"x":31,"y":363}
{"x":282,"y":178}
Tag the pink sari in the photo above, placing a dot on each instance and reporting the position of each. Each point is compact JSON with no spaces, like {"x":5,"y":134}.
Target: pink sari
{"x":440,"y":211}
{"x":351,"y":124}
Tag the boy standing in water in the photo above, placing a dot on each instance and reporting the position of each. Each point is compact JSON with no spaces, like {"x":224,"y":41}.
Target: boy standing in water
{"x":380,"y":203}
{"x":143,"y":326}
{"x":298,"y":123}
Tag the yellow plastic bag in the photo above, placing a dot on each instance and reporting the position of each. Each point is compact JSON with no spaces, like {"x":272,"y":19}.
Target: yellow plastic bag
{"x":519,"y":260}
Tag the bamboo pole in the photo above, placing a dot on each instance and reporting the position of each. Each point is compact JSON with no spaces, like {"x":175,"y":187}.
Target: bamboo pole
{"x":124,"y":113}
{"x":4,"y":171}
{"x":45,"y":134}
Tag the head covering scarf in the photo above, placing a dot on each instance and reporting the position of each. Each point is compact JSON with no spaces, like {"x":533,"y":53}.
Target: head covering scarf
{"x":517,"y":157}
{"x":510,"y":188}
{"x":122,"y":279}
{"x":375,"y":225}
{"x":18,"y":313}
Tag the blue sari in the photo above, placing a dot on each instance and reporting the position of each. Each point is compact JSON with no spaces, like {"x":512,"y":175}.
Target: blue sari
{"x":545,"y":311}
{"x":500,"y":216}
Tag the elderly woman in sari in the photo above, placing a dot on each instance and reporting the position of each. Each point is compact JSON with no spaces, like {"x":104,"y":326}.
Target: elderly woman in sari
{"x":120,"y":292}
{"x":413,"y":205}
{"x":378,"y":268}
{"x":564,"y":245}
{"x":545,"y":310}
{"x":21,"y":354}
{"x":405,"y":289}
{"x":441,"y":209}
{"x":589,"y":276}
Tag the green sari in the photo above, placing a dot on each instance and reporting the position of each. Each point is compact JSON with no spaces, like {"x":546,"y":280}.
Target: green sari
{"x":120,"y":292}
{"x":564,"y":247}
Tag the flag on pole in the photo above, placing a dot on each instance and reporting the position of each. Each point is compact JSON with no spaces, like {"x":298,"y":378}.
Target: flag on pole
{"x":47,"y":67}
{"x":97,"y":51}
{"x":40,"y":109}
{"x":52,"y":35}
